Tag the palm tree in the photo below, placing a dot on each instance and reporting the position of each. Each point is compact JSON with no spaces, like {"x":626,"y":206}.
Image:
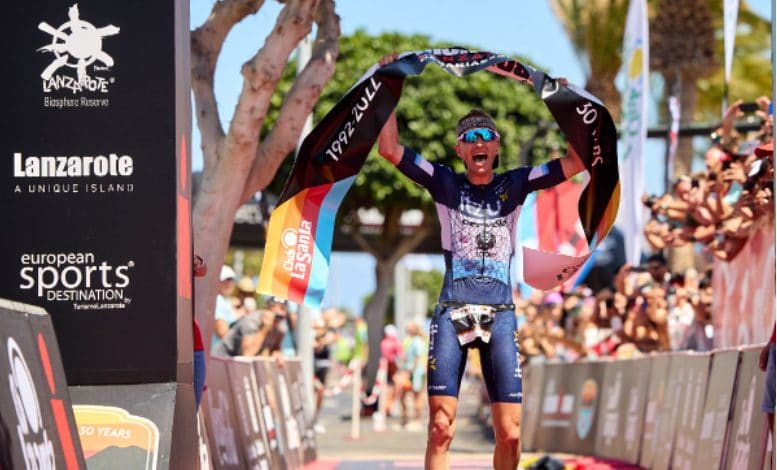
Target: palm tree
{"x":595,"y":28}
{"x":750,"y":77}
{"x":682,"y":49}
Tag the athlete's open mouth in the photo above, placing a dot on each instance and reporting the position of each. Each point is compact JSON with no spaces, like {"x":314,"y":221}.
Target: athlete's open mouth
{"x":480,"y":158}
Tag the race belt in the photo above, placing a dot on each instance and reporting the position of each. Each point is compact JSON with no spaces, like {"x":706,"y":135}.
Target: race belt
{"x":473,"y":321}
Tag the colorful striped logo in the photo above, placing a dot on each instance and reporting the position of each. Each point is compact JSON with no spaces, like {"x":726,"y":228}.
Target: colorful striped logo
{"x":299,"y":243}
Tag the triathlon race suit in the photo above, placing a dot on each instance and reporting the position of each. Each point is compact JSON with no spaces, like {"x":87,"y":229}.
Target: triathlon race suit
{"x":478,"y":236}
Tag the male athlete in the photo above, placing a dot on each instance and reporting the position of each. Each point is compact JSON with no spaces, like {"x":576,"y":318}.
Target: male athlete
{"x":477,"y":211}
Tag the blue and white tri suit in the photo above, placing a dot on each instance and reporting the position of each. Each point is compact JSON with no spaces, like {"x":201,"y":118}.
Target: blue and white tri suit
{"x":478,"y":238}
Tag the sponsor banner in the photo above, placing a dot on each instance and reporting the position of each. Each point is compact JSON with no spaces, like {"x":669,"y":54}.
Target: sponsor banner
{"x":132,"y":426}
{"x":242,"y":381}
{"x":667,"y":418}
{"x":221,"y":421}
{"x":37,"y":428}
{"x":268,"y":397}
{"x":286,"y":420}
{"x":622,"y":409}
{"x":743,"y":293}
{"x":678,"y":402}
{"x":302,"y":407}
{"x":691,"y":413}
{"x":717,"y":406}
{"x":657,"y":395}
{"x":95,"y":152}
{"x":533,"y":381}
{"x":747,"y":432}
{"x":203,"y":451}
{"x":570,"y":402}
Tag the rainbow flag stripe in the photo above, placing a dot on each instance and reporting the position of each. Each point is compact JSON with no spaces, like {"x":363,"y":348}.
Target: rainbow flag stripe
{"x":299,"y":243}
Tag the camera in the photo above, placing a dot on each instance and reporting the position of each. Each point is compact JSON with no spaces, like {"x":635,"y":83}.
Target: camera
{"x":749,"y":107}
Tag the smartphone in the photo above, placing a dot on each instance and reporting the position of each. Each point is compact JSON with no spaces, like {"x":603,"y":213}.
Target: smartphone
{"x":749,"y":107}
{"x":755,"y":168}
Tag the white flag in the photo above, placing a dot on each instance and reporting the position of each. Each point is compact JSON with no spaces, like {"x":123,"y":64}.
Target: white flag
{"x":634,"y":101}
{"x":730,"y":12}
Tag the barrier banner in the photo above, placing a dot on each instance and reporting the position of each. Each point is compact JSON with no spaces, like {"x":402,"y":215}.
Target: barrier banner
{"x":242,"y":381}
{"x":37,"y":429}
{"x":221,"y":420}
{"x":657,"y":395}
{"x":131,"y":426}
{"x":622,"y":409}
{"x":302,"y":408}
{"x":96,"y":128}
{"x":568,"y":418}
{"x":691,"y":412}
{"x":743,"y":293}
{"x":202,"y":443}
{"x":746,"y":436}
{"x":669,"y":413}
{"x":717,"y":406}
{"x":292,"y":449}
{"x":533,"y":381}
{"x":266,"y":371}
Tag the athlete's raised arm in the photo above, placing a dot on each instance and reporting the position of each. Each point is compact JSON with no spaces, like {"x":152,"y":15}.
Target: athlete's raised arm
{"x":388,"y":140}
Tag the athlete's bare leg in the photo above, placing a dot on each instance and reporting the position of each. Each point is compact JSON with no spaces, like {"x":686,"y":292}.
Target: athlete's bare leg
{"x":507,"y":429}
{"x":442,"y":415}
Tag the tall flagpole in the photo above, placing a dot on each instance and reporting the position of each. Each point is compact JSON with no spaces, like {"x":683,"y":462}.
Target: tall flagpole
{"x":304,"y":317}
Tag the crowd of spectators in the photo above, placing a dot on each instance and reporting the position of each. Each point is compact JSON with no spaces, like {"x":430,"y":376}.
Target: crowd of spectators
{"x":647,"y":309}
{"x":723,"y":205}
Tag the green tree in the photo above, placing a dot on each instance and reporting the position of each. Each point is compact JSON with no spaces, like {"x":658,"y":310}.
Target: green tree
{"x":429,"y":282}
{"x":750,"y":71}
{"x":427,"y":114}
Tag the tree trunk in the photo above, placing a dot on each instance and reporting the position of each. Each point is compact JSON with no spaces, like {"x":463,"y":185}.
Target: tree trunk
{"x":682,"y":258}
{"x":374,"y":314}
{"x":387,"y":250}
{"x":238,"y":163}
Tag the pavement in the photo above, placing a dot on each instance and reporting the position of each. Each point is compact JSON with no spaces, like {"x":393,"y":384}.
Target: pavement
{"x":399,"y":447}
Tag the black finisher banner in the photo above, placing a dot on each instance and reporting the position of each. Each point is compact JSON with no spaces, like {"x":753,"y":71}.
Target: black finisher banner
{"x":334,"y":152}
{"x":94,"y":182}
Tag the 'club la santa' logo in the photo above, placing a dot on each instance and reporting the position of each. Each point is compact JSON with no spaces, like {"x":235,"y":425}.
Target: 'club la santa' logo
{"x":76,"y":44}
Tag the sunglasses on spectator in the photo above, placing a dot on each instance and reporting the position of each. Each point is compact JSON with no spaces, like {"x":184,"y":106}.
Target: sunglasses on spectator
{"x":471,"y":136}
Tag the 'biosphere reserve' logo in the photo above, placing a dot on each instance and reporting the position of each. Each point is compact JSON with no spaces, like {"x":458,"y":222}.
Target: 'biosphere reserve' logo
{"x":77,"y":47}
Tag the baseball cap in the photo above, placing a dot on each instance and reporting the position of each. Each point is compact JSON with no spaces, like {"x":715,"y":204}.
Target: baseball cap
{"x":226,"y":273}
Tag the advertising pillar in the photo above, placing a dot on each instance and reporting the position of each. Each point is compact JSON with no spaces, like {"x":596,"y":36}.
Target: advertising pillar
{"x":94,"y":186}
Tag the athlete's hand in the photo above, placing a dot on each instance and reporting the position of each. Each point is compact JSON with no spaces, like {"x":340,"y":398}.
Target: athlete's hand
{"x":388,"y":59}
{"x":563,"y":81}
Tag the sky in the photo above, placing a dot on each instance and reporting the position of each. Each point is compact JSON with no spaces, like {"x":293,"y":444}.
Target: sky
{"x":510,"y":27}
